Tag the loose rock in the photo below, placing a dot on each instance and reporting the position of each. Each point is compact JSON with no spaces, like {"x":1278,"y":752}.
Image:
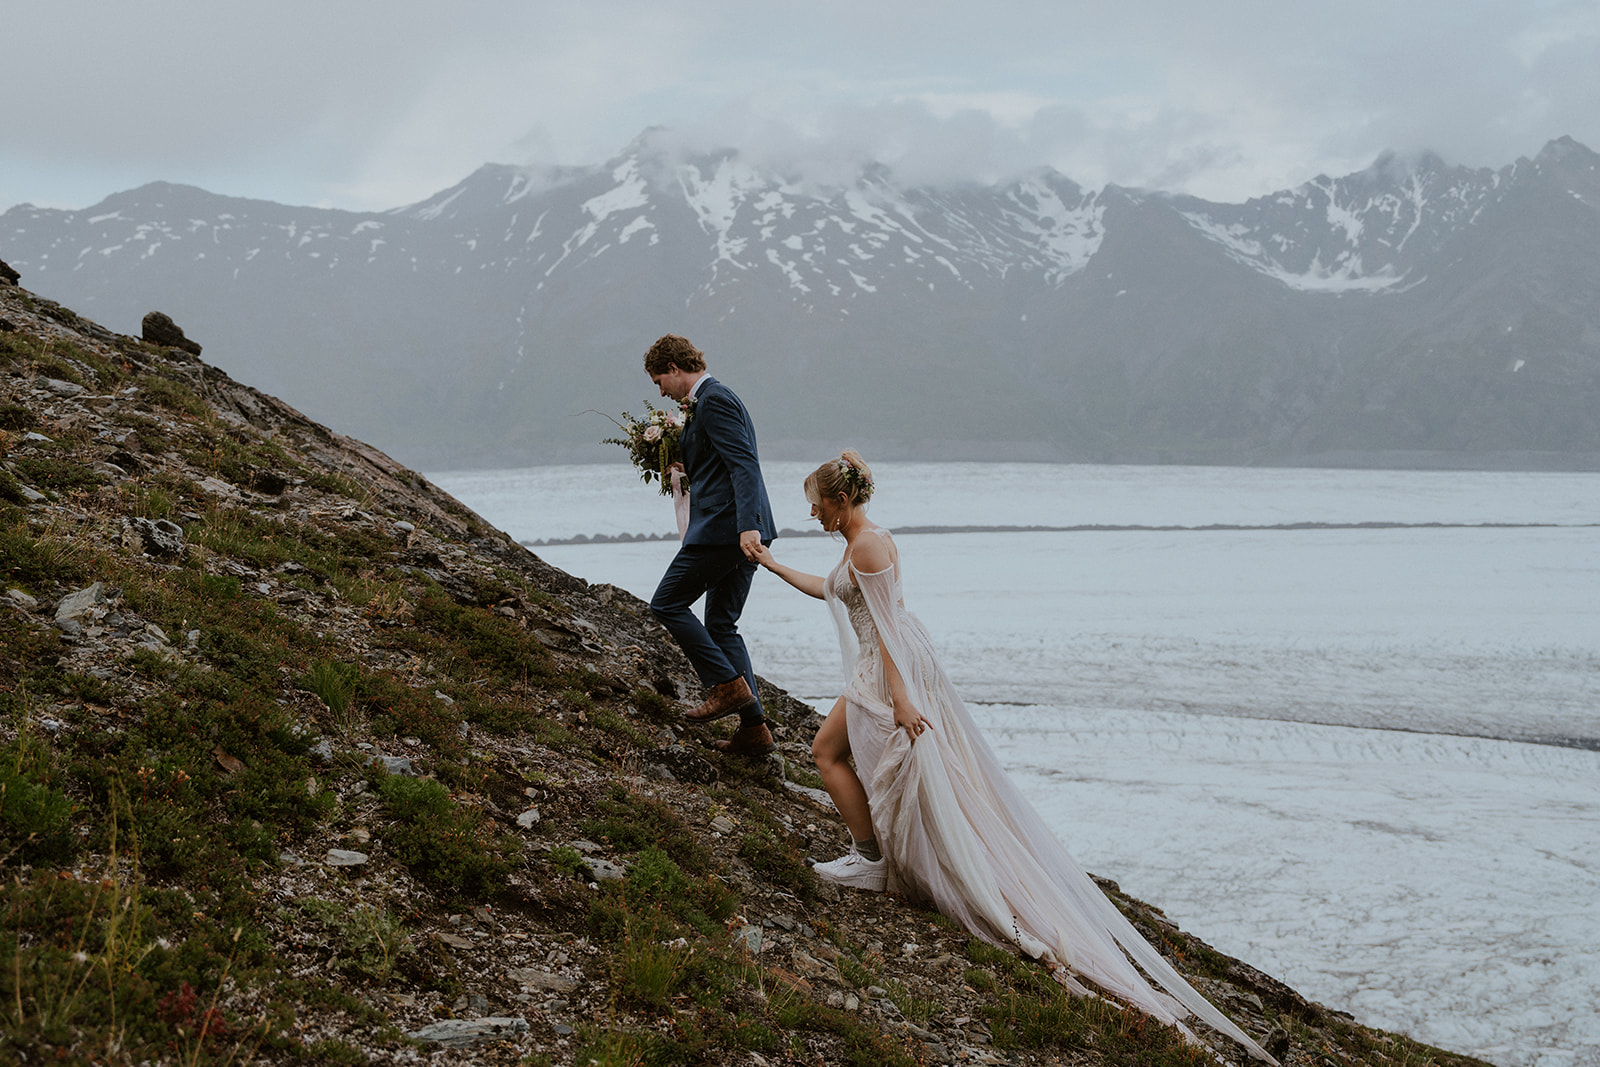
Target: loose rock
{"x":22,"y":600}
{"x":602,"y":870}
{"x":74,"y":606}
{"x":159,"y":536}
{"x":459,"y":1033}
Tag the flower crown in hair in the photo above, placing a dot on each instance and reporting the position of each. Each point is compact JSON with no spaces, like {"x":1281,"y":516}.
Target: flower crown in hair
{"x":851,"y":474}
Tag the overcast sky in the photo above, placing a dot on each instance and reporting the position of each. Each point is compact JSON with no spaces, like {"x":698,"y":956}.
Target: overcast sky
{"x":366,"y":105}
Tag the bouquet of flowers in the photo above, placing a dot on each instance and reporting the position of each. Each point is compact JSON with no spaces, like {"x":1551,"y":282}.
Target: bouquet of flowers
{"x":654,"y":442}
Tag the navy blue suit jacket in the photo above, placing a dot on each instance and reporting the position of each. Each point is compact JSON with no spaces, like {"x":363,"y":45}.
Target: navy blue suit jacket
{"x":726,"y":493}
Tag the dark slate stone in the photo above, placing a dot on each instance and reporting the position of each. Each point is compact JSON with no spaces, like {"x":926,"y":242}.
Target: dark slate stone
{"x":159,"y":329}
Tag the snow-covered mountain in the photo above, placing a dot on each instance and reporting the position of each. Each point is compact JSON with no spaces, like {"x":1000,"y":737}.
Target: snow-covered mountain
{"x":1413,"y":307}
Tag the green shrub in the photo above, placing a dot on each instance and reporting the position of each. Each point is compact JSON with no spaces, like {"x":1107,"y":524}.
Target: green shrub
{"x":36,"y":820}
{"x":778,"y":862}
{"x":631,"y":822}
{"x":17,"y":419}
{"x":364,"y":941}
{"x":442,"y":843}
{"x":653,"y":706}
{"x":487,"y":642}
{"x":10,"y":488}
{"x":626,"y":1048}
{"x":655,"y":879}
{"x":395,"y":709}
{"x":567,"y":859}
{"x":34,"y":562}
{"x":174,"y":396}
{"x":57,"y":475}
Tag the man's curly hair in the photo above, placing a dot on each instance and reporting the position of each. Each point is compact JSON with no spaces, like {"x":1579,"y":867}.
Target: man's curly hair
{"x":673,"y":350}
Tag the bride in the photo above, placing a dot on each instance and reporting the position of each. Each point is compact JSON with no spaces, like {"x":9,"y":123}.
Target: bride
{"x":929,"y":810}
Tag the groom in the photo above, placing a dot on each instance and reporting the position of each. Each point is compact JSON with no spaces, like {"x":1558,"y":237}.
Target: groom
{"x":729,"y":518}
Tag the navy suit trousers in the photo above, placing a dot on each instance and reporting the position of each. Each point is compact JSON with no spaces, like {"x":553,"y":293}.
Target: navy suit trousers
{"x":722,"y":575}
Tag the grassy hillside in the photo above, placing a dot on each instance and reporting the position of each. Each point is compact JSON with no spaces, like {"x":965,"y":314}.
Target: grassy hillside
{"x":299,"y":757}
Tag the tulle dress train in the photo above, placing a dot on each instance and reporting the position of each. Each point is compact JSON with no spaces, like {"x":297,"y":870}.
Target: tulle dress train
{"x":957,"y":831}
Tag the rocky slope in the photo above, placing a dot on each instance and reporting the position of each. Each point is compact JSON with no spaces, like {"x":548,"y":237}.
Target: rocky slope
{"x":304,"y":762}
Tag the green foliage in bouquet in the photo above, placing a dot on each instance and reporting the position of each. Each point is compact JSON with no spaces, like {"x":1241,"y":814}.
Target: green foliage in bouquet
{"x":654,"y":443}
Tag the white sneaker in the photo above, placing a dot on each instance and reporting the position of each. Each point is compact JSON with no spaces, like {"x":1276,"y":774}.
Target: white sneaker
{"x":856,"y":871}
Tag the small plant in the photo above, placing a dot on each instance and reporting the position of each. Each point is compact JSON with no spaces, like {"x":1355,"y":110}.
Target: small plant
{"x":174,"y":396}
{"x":577,"y":700}
{"x":778,"y":862}
{"x":655,"y":879}
{"x":386,"y":603}
{"x":802,"y":774}
{"x":622,"y":1048}
{"x":917,"y":1009}
{"x":863,"y":1047}
{"x":631,"y":823}
{"x":443,"y":844}
{"x":36,"y":819}
{"x":755,"y":1036}
{"x":10,"y":488}
{"x":364,"y":941}
{"x":336,"y":684}
{"x":653,"y":706}
{"x":649,"y":968}
{"x":87,"y":965}
{"x":856,"y":974}
{"x":33,"y":561}
{"x":58,"y":475}
{"x":552,"y":734}
{"x":621,"y":729}
{"x":567,"y":859}
{"x":17,"y":418}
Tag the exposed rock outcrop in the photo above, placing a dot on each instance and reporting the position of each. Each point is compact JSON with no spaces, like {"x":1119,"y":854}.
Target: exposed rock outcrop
{"x":159,"y":329}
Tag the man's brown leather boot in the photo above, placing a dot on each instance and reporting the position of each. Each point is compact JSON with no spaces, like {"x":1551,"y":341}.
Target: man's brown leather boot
{"x":753,"y":740}
{"x":725,"y":699}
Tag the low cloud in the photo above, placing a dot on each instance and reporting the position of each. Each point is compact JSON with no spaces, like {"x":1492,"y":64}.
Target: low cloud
{"x":371,"y":106}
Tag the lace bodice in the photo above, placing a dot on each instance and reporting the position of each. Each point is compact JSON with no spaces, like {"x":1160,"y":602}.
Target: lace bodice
{"x":855,"y":604}
{"x":848,"y":593}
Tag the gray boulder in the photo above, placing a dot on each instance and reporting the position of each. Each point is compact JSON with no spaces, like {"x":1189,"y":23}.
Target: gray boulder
{"x":159,"y":536}
{"x":74,"y":606}
{"x":603,"y":870}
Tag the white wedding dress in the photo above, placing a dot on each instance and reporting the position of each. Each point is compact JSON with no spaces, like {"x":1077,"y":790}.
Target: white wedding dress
{"x":956,"y":830}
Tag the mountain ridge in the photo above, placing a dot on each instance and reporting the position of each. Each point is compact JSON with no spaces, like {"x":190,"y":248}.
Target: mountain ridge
{"x":1412,"y":310}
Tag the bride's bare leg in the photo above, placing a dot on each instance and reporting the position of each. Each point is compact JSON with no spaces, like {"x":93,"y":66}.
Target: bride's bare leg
{"x":831,"y":749}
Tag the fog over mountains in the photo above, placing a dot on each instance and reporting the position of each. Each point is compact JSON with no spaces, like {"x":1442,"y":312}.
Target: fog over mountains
{"x":1412,"y":313}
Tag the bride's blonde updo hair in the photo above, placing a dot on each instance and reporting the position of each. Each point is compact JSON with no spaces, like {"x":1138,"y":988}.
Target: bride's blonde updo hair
{"x":849,"y":474}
